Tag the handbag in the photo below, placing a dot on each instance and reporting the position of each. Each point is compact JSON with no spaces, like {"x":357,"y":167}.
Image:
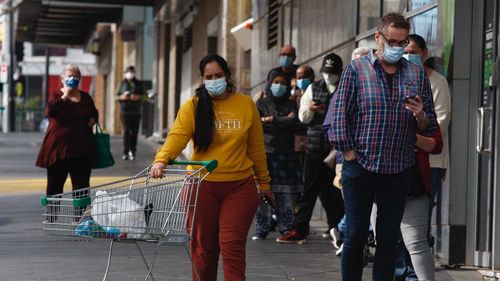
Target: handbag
{"x":103,"y":157}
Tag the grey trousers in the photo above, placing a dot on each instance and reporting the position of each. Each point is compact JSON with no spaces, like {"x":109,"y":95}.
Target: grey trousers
{"x":414,"y":228}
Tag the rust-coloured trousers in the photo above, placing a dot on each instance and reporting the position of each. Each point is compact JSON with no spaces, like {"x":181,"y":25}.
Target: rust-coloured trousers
{"x":224,"y":214}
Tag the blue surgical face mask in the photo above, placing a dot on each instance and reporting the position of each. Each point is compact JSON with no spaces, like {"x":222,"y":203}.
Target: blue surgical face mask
{"x":303,"y":83}
{"x":285,"y":61}
{"x":278,"y":90}
{"x":416,"y":59}
{"x":216,"y":87}
{"x":72,"y":82}
{"x":392,"y":54}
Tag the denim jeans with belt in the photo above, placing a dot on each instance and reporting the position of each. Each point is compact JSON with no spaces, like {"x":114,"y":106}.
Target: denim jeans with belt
{"x":360,"y":188}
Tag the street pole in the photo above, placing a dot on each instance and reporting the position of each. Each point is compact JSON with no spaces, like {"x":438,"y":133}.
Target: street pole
{"x":45,"y":92}
{"x":11,"y":108}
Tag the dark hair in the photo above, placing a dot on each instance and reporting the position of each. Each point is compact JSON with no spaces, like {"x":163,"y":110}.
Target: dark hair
{"x":204,"y":119}
{"x":308,"y":71}
{"x":130,"y":68}
{"x":272,"y":76}
{"x":395,"y":20}
{"x":419,"y":40}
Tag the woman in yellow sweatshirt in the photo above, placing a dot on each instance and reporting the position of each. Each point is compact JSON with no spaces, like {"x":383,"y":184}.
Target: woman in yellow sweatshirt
{"x":224,"y":125}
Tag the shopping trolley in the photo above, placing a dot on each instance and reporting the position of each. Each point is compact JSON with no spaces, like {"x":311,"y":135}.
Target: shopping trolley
{"x":135,"y":209}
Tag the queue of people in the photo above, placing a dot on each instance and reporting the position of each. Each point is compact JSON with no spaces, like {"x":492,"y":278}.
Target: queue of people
{"x":378,"y":118}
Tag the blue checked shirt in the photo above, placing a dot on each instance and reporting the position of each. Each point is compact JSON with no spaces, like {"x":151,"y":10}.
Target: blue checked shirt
{"x":372,"y":120}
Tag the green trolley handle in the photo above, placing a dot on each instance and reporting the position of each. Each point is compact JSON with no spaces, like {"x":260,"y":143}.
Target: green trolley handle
{"x":210,"y":165}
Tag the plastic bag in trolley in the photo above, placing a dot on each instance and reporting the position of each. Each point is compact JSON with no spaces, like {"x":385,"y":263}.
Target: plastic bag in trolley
{"x":119,"y":211}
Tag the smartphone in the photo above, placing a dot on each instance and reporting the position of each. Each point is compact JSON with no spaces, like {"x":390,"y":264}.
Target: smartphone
{"x":408,"y":98}
{"x":317,"y":101}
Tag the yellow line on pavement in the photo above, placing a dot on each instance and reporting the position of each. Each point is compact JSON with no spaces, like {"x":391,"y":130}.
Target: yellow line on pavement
{"x":39,"y":185}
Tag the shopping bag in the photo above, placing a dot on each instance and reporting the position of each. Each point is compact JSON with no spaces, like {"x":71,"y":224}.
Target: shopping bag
{"x":119,"y":212}
{"x":103,"y":157}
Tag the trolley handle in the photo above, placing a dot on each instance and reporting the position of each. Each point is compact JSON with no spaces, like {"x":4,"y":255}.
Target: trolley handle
{"x":210,"y":165}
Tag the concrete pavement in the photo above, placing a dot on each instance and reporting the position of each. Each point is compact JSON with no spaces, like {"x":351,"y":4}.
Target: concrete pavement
{"x":28,"y":253}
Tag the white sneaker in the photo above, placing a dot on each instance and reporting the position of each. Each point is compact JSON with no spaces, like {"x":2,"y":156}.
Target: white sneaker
{"x":336,"y":236}
{"x":339,"y":251}
{"x":131,"y":155}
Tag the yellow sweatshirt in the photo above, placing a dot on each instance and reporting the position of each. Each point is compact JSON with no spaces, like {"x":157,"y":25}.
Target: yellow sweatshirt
{"x":238,"y":143}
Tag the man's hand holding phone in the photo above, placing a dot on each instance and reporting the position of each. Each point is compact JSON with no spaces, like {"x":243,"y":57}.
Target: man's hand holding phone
{"x":415,"y":105}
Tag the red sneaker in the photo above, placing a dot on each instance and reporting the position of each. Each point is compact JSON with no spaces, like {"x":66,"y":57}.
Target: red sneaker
{"x":293,"y":237}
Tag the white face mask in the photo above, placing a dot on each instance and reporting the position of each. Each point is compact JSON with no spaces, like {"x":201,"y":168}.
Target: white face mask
{"x":330,"y":79}
{"x":129,"y":75}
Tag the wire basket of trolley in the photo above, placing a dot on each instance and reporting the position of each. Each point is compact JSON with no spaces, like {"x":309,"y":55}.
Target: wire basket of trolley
{"x":140,"y":208}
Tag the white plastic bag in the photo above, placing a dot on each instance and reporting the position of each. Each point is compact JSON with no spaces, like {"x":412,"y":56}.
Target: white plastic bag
{"x":120,"y":212}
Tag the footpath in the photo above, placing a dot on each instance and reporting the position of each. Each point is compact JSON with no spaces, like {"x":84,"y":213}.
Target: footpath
{"x":29,"y":254}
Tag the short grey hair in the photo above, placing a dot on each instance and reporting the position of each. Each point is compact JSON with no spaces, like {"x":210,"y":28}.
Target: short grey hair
{"x":361,"y":51}
{"x":71,"y":67}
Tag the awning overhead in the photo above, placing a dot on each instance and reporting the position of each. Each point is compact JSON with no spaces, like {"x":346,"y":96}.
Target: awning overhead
{"x":67,"y":23}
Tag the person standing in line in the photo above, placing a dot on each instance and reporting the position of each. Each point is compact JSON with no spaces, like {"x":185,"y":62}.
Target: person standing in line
{"x":224,"y":125}
{"x":417,"y":52}
{"x":317,"y":176}
{"x":380,"y":103}
{"x":406,"y":268}
{"x":69,"y":145}
{"x":279,"y":116}
{"x":130,"y":93}
{"x":305,"y":76}
{"x":286,"y":60}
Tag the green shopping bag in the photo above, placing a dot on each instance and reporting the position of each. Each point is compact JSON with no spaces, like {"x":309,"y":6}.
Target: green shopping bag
{"x":103,"y":157}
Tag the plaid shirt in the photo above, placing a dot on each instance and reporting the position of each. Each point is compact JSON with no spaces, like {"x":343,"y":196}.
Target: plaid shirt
{"x":372,"y":120}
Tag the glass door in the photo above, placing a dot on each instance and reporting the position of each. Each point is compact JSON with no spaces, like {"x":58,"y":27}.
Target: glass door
{"x":485,"y":140}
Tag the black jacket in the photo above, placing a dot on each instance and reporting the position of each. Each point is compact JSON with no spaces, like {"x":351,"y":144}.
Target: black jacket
{"x":279,"y":134}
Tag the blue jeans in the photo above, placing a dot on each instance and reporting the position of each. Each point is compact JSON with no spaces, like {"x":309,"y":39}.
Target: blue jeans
{"x":285,"y":205}
{"x":404,"y":267}
{"x":360,"y":188}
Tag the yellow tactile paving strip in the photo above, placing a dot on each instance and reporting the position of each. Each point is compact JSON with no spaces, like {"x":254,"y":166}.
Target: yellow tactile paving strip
{"x":39,"y":185}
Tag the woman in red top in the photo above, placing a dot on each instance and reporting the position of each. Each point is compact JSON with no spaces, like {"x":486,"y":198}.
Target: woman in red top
{"x":69,"y":144}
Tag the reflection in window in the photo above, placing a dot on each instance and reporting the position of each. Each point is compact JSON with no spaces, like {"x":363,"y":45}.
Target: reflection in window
{"x":425,"y":25}
{"x":369,"y":14}
{"x":415,"y":4}
{"x":368,"y":42}
{"x":394,"y":6}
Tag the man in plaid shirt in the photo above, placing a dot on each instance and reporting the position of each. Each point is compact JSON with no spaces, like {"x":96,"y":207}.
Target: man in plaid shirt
{"x":381,"y":102}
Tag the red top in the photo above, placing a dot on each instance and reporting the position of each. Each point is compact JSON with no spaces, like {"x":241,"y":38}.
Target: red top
{"x":68,"y":135}
{"x":422,"y":158}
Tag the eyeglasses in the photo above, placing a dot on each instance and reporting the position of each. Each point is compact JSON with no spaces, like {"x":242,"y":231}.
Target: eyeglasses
{"x":393,"y":43}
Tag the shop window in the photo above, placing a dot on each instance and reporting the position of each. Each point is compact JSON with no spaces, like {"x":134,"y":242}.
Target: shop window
{"x":273,"y":23}
{"x":426,"y":25}
{"x":369,"y":14}
{"x":415,"y":4}
{"x":397,"y":6}
{"x":39,"y":50}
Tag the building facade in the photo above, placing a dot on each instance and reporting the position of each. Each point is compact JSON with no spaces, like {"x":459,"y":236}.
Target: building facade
{"x":461,"y":36}
{"x":165,"y":40}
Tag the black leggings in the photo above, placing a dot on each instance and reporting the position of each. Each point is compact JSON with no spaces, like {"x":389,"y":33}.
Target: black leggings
{"x":130,"y":123}
{"x":79,"y":171}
